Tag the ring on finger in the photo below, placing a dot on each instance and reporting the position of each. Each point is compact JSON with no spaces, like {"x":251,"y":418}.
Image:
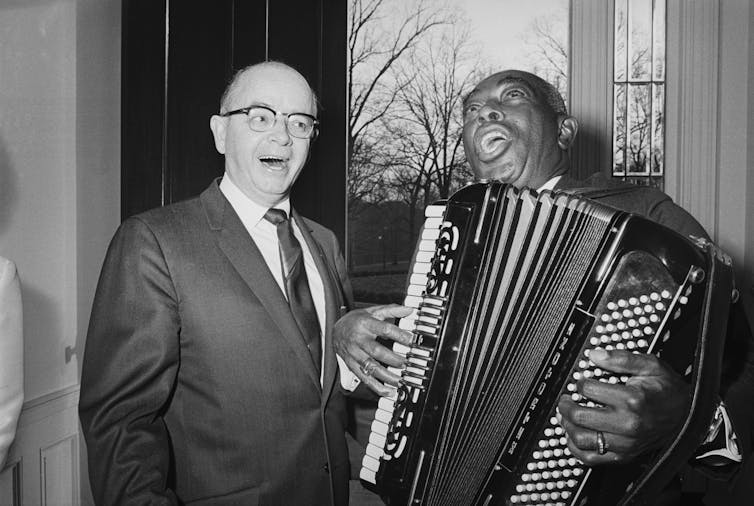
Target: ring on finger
{"x":601,"y":444}
{"x":368,"y":366}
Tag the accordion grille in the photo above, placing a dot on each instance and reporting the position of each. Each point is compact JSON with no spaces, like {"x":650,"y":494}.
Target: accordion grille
{"x":522,"y":294}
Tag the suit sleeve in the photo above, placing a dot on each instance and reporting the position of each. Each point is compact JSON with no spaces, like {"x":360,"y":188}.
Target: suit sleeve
{"x":673,"y":216}
{"x":129,"y":370}
{"x":738,"y":378}
{"x":342,"y":272}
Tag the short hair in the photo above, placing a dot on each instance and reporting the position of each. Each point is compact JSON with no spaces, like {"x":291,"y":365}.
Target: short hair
{"x":552,"y":96}
{"x":227,"y":97}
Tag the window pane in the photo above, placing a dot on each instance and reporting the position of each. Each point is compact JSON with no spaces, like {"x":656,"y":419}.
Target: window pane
{"x":639,"y":112}
{"x":640,"y":39}
{"x":619,"y":129}
{"x":410,"y":62}
{"x":639,"y":91}
{"x":621,"y":39}
{"x":658,"y":41}
{"x":658,"y":129}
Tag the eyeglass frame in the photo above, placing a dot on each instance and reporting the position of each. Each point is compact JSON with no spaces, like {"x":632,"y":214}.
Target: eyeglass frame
{"x":245,"y":110}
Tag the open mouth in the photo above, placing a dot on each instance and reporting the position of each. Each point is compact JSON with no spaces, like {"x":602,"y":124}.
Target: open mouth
{"x":491,"y":142}
{"x":274,"y":162}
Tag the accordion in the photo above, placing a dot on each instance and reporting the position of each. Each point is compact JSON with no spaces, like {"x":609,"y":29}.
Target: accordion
{"x":512,"y":289}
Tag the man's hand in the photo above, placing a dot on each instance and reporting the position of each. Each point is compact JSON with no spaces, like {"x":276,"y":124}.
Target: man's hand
{"x":354,"y":341}
{"x":636,"y":416}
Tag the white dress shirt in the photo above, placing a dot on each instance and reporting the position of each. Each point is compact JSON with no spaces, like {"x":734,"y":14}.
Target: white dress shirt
{"x":264,"y":235}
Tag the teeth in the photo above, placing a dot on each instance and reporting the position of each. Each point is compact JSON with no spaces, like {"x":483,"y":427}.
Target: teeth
{"x":491,"y":139}
{"x":273,"y":161}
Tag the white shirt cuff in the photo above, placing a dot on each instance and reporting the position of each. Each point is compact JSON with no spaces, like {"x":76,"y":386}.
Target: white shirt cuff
{"x":348,"y":380}
{"x":719,"y":451}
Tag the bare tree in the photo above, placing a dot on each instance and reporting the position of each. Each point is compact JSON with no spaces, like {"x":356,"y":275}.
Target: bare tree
{"x":427,"y":125}
{"x":376,"y":44}
{"x":373,"y":48}
{"x":548,"y":39}
{"x":635,"y":145}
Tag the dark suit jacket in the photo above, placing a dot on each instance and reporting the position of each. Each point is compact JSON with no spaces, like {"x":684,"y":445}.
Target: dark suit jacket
{"x":197,"y":386}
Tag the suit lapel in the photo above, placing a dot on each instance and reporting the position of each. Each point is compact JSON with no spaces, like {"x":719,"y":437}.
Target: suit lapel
{"x":332,"y":304}
{"x":237,"y":245}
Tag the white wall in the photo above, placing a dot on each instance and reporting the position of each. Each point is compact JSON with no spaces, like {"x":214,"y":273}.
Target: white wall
{"x":749,"y":207}
{"x":735,"y":221}
{"x":59,"y":191}
{"x":59,"y":169}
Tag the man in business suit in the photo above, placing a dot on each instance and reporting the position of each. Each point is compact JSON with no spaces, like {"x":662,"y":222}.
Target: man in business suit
{"x":517,"y":130}
{"x":209,"y":375}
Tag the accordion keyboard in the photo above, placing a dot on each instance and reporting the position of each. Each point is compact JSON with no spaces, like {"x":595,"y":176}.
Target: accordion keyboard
{"x":414,"y":297}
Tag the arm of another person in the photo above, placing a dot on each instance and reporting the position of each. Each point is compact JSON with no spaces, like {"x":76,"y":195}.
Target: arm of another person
{"x":129,"y":370}
{"x":357,"y":347}
{"x":11,"y":355}
{"x":355,"y":340}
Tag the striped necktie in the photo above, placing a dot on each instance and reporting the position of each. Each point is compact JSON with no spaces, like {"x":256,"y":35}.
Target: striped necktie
{"x":296,"y":284}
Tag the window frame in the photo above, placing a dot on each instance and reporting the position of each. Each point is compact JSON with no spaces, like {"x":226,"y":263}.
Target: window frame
{"x":691,"y":99}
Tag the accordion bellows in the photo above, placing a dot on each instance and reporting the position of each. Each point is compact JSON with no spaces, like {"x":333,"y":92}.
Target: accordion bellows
{"x":512,"y":291}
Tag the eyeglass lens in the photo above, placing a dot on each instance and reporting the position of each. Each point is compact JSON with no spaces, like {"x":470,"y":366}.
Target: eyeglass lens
{"x":262,"y":119}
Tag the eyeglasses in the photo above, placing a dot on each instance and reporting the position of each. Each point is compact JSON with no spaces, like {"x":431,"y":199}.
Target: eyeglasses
{"x":261,"y":119}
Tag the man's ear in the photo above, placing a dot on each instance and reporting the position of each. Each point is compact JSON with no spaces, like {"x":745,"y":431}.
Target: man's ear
{"x":567,"y":132}
{"x":218,"y":125}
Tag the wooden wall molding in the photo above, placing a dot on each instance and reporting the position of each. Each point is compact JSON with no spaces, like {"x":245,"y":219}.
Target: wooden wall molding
{"x":691,"y":137}
{"x":44,"y":461}
{"x":590,"y":82}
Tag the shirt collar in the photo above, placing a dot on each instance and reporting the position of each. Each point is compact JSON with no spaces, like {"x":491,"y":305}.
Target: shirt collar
{"x":550,"y":184}
{"x":249,"y":211}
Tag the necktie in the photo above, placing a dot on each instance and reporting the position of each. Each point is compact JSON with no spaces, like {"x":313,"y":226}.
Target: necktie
{"x":296,"y":285}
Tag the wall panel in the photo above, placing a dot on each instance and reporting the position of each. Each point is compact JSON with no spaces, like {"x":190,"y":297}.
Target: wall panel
{"x":43,"y":463}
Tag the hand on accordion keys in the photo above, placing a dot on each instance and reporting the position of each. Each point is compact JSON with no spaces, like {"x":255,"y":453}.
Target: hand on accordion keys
{"x":355,"y":341}
{"x":629,"y":418}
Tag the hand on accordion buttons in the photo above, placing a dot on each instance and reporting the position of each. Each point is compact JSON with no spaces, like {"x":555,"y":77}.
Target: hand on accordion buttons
{"x":355,"y":341}
{"x":634,"y":417}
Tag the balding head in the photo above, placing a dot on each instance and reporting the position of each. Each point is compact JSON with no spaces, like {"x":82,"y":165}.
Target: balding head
{"x":229,"y":99}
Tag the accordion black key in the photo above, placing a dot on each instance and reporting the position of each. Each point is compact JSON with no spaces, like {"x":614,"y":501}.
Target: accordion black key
{"x":512,"y":291}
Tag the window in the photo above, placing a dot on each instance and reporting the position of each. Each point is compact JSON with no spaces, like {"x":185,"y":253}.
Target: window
{"x":410,"y":63}
{"x":639,"y":92}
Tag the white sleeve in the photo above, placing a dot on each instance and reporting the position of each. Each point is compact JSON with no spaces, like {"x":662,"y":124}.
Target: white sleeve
{"x":11,"y":355}
{"x":348,"y":380}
